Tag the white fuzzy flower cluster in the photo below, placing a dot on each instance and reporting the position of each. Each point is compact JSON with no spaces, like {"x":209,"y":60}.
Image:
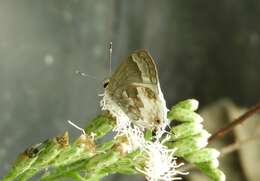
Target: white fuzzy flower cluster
{"x":160,"y":163}
{"x":135,"y":137}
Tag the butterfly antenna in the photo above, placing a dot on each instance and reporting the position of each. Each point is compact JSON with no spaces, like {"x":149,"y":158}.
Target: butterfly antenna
{"x":110,"y":57}
{"x":77,"y":127}
{"x":85,"y":75}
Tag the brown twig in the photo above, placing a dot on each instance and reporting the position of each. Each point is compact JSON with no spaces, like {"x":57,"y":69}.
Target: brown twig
{"x":238,"y":144}
{"x":221,"y":132}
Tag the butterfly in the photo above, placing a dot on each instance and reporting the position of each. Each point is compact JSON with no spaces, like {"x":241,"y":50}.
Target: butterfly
{"x":134,"y":92}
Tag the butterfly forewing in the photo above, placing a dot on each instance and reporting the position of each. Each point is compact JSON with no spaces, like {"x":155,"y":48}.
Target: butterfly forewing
{"x":135,"y":88}
{"x":138,"y":68}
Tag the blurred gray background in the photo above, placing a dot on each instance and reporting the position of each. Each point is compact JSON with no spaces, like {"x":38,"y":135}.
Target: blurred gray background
{"x":204,"y":49}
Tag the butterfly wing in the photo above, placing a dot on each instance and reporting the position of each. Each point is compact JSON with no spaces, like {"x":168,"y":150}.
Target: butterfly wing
{"x":135,"y":88}
{"x":138,"y":68}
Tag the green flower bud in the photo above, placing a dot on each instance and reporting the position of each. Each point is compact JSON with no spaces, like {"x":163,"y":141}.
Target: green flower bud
{"x":203,"y":155}
{"x":190,"y":144}
{"x":189,"y":104}
{"x":82,"y":148}
{"x":24,"y":161}
{"x":51,"y":150}
{"x":184,"y":115}
{"x":185,"y":130}
{"x":100,"y":126}
{"x":209,"y":168}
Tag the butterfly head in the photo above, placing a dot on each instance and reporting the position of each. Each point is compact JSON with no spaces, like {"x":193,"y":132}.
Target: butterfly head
{"x":105,"y":83}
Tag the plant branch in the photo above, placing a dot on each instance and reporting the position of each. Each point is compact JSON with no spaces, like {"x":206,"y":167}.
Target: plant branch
{"x":221,"y":132}
{"x":89,"y":158}
{"x":238,"y":144}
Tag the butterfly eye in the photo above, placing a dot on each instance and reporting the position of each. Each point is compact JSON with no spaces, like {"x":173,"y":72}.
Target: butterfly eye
{"x":106,"y":83}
